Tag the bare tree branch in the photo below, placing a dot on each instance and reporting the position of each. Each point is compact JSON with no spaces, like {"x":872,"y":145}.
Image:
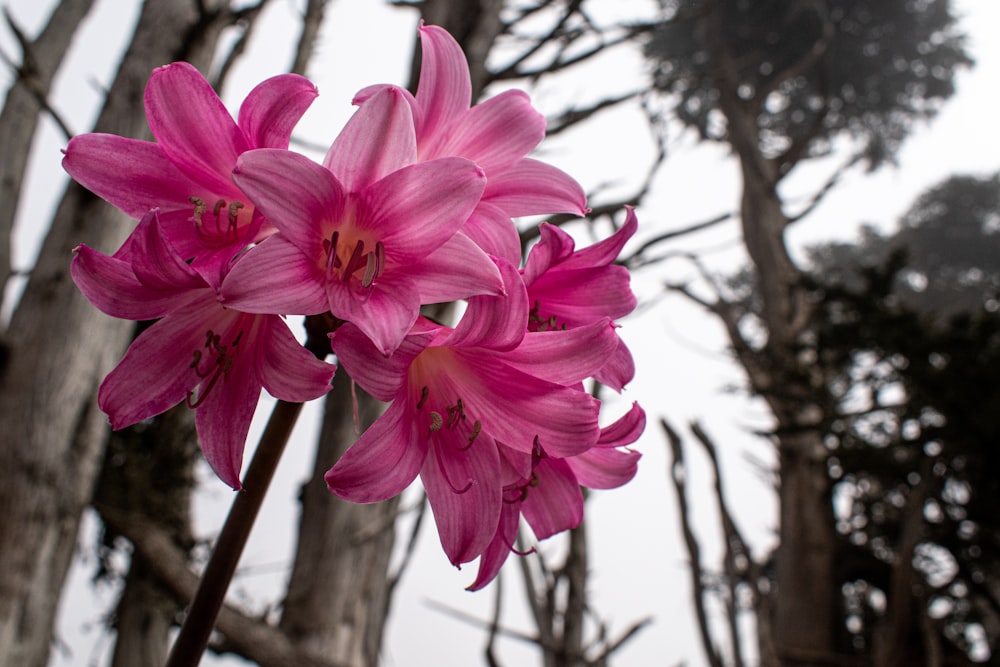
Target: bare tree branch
{"x":699,"y":594}
{"x":635,"y":259}
{"x":245,"y":18}
{"x":738,"y":560}
{"x":488,"y":651}
{"x":466,"y":617}
{"x":572,"y":117}
{"x":247,"y":636}
{"x":28,"y":95}
{"x":510,"y":70}
{"x":826,"y":188}
{"x":312,"y":21}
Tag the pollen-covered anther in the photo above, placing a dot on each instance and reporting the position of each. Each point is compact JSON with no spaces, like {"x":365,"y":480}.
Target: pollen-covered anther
{"x":234,"y":212}
{"x":477,"y":428}
{"x":227,"y":226}
{"x":538,"y":323}
{"x":375,"y":265}
{"x":199,"y":209}
{"x":437,"y":421}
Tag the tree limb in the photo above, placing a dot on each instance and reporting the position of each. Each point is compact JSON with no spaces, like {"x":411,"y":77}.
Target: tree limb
{"x":571,"y":117}
{"x":251,"y":638}
{"x":635,"y":259}
{"x":699,"y":593}
{"x":312,"y":21}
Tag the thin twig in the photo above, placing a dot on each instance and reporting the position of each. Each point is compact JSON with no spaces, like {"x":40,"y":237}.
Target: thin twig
{"x":677,"y":472}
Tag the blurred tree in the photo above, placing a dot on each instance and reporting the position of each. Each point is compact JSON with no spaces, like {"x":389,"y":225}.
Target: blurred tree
{"x":780,"y":83}
{"x":911,"y":349}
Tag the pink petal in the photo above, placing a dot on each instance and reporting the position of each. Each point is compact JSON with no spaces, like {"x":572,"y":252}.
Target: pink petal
{"x":494,"y":134}
{"x":625,"y":430}
{"x":458,"y":269}
{"x":377,"y":140}
{"x":554,"y":247}
{"x":156,"y":373}
{"x":604,"y":468}
{"x":223,"y":419}
{"x":384,"y":460}
{"x":494,"y":232}
{"x":417,"y":208}
{"x":273,"y":108}
{"x":499,"y":547}
{"x":445,"y":89}
{"x":579,"y":296}
{"x":298,"y":196}
{"x":555,"y":502}
{"x":381,"y":376}
{"x":462,"y":488}
{"x":515,"y":407}
{"x":530,"y":187}
{"x":567,"y":356}
{"x":286,"y":369}
{"x":619,"y":369}
{"x":369,"y":92}
{"x":132,"y":175}
{"x":495,"y":322}
{"x":192,"y":126}
{"x":606,"y":252}
{"x":384,"y":313}
{"x":252,"y":285}
{"x":111,"y":286}
{"x":155,"y":262}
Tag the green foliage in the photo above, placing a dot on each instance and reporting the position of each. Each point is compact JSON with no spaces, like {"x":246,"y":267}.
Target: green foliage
{"x":811,"y":70}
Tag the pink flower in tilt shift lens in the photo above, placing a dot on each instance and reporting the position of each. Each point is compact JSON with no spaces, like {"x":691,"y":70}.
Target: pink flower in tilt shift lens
{"x":461,"y":395}
{"x":187,"y":172}
{"x":496,"y":134}
{"x":214,"y":358}
{"x":368,"y":235}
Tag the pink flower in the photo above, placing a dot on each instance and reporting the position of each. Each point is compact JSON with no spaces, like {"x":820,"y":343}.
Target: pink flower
{"x":368,"y":235}
{"x":214,"y":358}
{"x":550,"y":499}
{"x":497,"y":135}
{"x":569,"y":288}
{"x":186,"y":173}
{"x":461,"y":395}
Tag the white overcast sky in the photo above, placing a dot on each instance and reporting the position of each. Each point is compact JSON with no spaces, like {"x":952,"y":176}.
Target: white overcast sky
{"x":638,"y":564}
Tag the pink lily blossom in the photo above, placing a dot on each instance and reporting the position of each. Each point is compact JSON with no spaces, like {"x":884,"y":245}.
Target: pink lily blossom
{"x":496,"y":134}
{"x":569,"y":288}
{"x":550,"y":499}
{"x":459,"y":396}
{"x":186,"y":172}
{"x":214,"y":358}
{"x":368,"y":235}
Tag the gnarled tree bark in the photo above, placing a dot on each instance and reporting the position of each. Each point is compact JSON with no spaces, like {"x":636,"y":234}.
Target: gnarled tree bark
{"x":59,"y":347}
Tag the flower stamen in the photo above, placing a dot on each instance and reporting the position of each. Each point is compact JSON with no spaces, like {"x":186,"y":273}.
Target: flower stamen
{"x":220,"y":362}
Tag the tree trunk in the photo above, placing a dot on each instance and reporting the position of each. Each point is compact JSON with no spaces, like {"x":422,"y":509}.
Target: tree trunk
{"x":149,"y":470}
{"x":41,"y":59}
{"x":59,"y":347}
{"x":805,"y":608}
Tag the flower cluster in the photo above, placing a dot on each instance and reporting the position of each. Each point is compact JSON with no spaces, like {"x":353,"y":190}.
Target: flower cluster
{"x":412,"y":205}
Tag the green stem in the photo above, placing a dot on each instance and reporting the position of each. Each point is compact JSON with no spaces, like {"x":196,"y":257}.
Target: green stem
{"x":204,"y":608}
